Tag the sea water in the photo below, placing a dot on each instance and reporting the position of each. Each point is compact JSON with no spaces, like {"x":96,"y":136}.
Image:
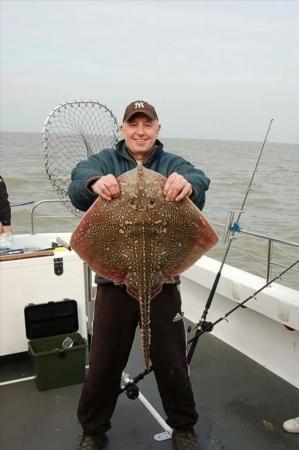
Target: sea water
{"x":272,"y":207}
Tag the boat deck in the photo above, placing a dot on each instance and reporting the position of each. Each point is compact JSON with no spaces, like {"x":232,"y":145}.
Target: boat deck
{"x":241,"y":406}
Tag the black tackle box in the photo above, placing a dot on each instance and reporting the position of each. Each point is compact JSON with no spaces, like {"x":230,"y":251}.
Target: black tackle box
{"x":58,"y":351}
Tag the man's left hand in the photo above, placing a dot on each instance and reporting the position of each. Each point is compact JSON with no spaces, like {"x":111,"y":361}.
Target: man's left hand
{"x":5,"y":229}
{"x":176,"y":188}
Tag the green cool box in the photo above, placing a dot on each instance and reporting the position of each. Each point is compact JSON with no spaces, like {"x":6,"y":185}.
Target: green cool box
{"x":48,"y":325}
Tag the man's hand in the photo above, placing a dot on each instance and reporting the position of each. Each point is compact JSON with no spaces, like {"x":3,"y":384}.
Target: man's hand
{"x":5,"y":228}
{"x":176,"y":188}
{"x":106,"y":187}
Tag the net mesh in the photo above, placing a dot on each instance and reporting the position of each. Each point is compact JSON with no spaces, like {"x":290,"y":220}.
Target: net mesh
{"x":72,"y":132}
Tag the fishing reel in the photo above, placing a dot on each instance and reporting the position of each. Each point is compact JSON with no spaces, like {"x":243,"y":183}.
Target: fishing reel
{"x":130,"y":387}
{"x":202,"y":325}
{"x":206,"y":326}
{"x":132,"y":391}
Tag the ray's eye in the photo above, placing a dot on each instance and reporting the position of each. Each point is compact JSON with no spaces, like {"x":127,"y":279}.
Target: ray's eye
{"x":152,"y":201}
{"x":132,"y":202}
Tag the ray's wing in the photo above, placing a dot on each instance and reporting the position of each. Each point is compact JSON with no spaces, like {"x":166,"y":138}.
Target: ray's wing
{"x":100,"y":241}
{"x":189,"y":235}
{"x":141,"y":240}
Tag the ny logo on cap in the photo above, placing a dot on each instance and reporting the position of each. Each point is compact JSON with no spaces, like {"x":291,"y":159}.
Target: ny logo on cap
{"x":138,"y":105}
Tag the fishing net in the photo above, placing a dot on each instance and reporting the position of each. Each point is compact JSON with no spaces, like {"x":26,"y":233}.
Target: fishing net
{"x":72,"y":132}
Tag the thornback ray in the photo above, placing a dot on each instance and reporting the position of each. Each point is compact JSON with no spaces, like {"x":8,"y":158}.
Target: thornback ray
{"x":142,"y":240}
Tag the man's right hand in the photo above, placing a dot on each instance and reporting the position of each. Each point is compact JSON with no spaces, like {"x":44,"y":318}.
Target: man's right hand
{"x":106,"y":187}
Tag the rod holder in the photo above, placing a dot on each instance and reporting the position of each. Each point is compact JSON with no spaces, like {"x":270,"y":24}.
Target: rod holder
{"x":269,"y":260}
{"x":227,"y":226}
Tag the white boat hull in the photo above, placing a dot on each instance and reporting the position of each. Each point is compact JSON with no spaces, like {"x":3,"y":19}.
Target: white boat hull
{"x":262,"y":330}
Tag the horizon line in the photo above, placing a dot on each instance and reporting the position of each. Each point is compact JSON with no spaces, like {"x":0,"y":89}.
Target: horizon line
{"x":183,"y":138}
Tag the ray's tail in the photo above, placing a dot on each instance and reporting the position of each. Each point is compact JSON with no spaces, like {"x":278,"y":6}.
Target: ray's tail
{"x":145,"y":310}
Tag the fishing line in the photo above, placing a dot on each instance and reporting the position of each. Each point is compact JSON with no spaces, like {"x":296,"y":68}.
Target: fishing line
{"x":203,"y":324}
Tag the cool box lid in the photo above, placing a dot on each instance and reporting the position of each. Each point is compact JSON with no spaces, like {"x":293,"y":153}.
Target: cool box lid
{"x":50,"y":319}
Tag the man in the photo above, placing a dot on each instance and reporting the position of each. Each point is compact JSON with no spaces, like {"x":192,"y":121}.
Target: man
{"x":5,"y":211}
{"x":116,"y":312}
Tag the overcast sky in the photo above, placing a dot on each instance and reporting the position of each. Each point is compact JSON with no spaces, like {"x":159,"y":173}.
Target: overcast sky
{"x":212,"y":69}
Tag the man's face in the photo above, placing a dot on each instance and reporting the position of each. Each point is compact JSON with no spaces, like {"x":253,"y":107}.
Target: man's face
{"x":140,"y":133}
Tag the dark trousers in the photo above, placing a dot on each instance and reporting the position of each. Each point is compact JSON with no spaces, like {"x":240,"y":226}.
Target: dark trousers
{"x":115,"y":320}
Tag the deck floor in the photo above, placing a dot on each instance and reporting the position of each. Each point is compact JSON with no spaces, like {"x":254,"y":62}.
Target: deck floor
{"x":241,"y":406}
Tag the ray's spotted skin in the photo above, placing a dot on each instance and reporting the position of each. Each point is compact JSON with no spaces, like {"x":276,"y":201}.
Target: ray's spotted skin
{"x":141,"y":240}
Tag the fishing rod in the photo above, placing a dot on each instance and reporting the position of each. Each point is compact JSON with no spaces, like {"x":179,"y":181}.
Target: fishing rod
{"x":132,"y":389}
{"x":241,"y":304}
{"x":203,"y":324}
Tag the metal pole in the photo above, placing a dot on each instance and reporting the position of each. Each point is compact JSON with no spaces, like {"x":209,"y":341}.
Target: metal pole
{"x":269,"y":259}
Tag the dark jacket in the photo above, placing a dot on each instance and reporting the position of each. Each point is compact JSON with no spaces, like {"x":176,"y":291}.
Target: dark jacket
{"x":5,"y":212}
{"x":118,"y":161}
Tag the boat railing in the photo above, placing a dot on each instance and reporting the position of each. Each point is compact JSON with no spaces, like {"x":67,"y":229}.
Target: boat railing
{"x":271,"y":240}
{"x":229,"y":226}
{"x":36,"y":205}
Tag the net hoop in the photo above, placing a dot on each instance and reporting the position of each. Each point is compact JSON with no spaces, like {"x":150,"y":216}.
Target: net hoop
{"x":73,"y":131}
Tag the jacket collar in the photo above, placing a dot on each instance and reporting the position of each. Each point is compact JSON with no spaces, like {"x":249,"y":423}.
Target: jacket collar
{"x":122,"y":150}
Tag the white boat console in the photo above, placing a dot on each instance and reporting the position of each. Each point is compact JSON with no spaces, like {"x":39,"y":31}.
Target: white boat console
{"x":37,"y":280}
